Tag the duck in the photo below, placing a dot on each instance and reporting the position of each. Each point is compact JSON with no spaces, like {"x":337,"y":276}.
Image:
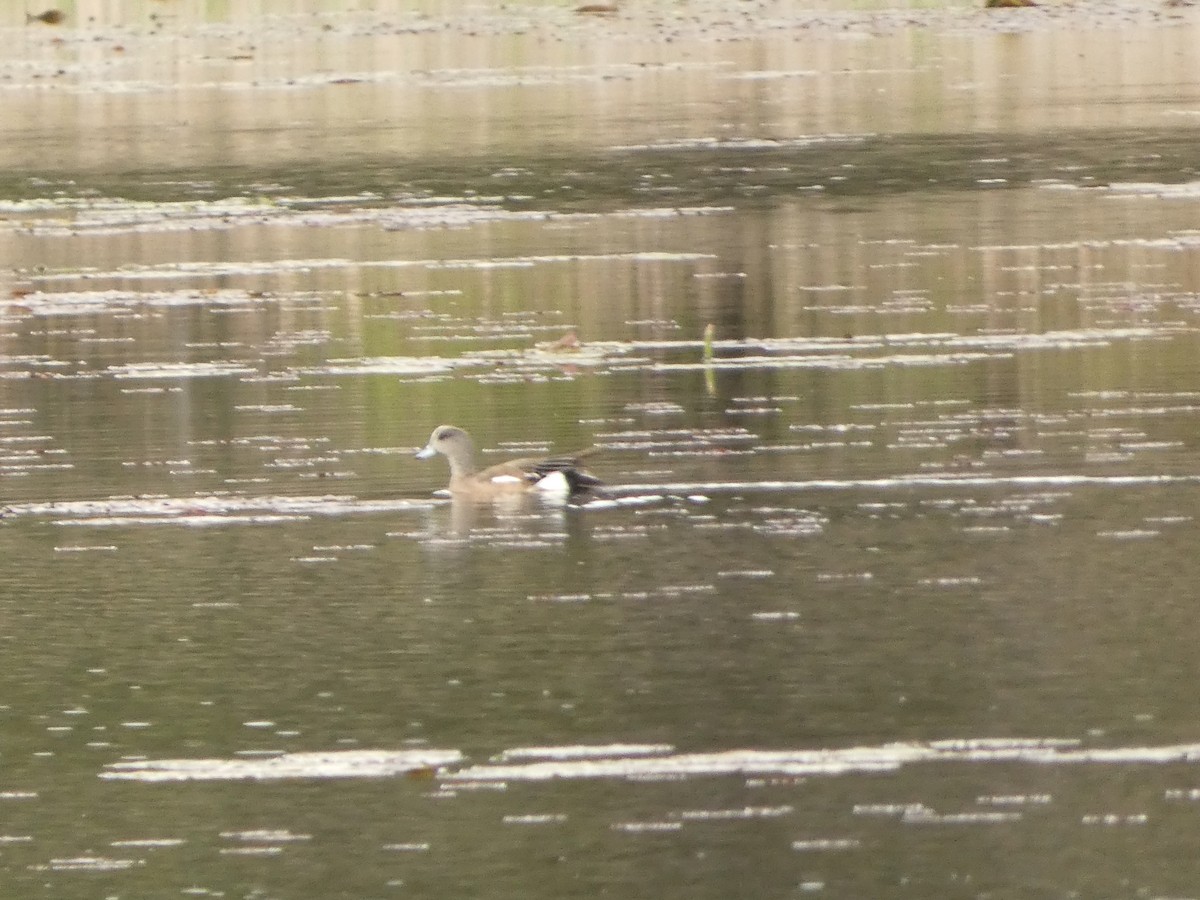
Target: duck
{"x":559,"y":476}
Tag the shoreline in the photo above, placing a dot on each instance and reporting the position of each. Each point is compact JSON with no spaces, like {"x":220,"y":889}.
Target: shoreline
{"x":509,"y":82}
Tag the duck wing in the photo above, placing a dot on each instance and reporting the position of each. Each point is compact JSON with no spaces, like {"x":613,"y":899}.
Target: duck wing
{"x":571,"y":468}
{"x":534,"y":469}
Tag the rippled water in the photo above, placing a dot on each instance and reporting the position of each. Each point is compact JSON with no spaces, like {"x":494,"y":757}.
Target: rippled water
{"x":890,"y":591}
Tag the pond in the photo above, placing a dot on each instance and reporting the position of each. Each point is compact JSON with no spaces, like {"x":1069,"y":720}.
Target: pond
{"x":888,"y":593}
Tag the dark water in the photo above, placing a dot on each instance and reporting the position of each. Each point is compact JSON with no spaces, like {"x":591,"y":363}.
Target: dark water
{"x":892,"y":596}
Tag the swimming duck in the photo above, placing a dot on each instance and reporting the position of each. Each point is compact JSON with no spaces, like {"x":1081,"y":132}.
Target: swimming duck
{"x":555,"y":475}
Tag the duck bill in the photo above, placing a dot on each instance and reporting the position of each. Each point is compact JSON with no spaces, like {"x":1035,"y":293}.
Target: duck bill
{"x":426,"y":453}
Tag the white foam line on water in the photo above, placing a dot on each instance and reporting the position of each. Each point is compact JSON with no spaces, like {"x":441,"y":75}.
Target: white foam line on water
{"x":833,"y":362}
{"x":143,"y":508}
{"x":945,"y":340}
{"x":336,"y":764}
{"x":203,"y":509}
{"x":582,"y":751}
{"x":183,"y":520}
{"x":900,"y":481}
{"x":645,"y":761}
{"x":387,"y":365}
{"x":205,"y":268}
{"x":1042,"y":751}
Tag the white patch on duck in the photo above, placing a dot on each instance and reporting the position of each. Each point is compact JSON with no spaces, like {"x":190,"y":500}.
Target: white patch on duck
{"x":506,"y":479}
{"x":555,"y":484}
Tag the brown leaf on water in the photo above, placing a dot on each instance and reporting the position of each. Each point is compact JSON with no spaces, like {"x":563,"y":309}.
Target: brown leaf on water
{"x":49,"y":17}
{"x":597,"y":9}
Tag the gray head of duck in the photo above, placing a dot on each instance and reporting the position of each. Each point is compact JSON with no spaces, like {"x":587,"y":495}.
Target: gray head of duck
{"x":454,"y":444}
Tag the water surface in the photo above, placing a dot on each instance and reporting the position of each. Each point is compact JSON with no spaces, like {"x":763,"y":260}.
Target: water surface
{"x":890,"y":595}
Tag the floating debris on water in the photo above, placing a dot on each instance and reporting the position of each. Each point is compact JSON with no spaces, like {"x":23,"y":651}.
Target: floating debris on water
{"x":647,"y":827}
{"x":88,"y":864}
{"x":264,"y":835}
{"x":334,"y":764}
{"x":825,"y":844}
{"x":1111,"y":820}
{"x":49,"y":17}
{"x":535,"y":819}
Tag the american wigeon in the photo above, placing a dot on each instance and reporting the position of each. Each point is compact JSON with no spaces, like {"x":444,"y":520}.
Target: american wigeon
{"x":557,"y":475}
